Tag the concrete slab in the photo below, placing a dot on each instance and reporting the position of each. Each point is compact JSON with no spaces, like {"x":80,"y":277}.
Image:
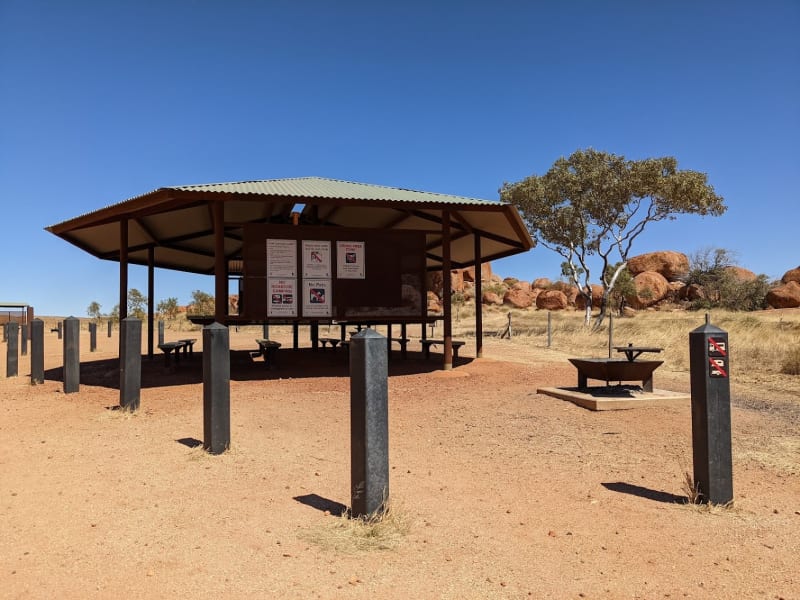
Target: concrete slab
{"x":617,"y":397}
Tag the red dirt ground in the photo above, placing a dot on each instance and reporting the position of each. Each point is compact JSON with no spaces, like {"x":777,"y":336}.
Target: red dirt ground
{"x":509,"y":494}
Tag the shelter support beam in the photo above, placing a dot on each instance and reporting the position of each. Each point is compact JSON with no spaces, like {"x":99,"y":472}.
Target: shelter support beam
{"x":220,"y":263}
{"x":447,"y":292}
{"x":150,"y":295}
{"x":123,"y":268}
{"x":478,"y":298}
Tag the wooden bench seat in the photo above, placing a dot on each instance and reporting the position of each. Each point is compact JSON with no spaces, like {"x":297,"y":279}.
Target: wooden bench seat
{"x":170,"y":348}
{"x":268,"y":350}
{"x":333,"y":341}
{"x":426,"y":346}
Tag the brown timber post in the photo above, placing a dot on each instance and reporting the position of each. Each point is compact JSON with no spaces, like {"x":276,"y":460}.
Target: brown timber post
{"x":220,"y":264}
{"x":150,"y":281}
{"x":123,"y":268}
{"x":447,"y":292}
{"x":478,"y":298}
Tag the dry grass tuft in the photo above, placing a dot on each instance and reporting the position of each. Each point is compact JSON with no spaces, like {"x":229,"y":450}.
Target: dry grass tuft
{"x":791,"y":361}
{"x":690,"y":488}
{"x":383,"y":530}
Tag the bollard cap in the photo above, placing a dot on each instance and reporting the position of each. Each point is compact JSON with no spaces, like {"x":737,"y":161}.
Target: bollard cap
{"x":707,"y":328}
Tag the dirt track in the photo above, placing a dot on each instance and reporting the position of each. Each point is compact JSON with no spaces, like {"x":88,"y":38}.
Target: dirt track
{"x":510,"y":494}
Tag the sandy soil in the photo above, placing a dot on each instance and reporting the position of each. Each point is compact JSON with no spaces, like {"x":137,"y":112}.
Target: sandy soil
{"x":505,"y":493}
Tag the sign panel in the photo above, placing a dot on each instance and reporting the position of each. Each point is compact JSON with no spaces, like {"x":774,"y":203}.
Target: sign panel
{"x":350,"y":260}
{"x":281,"y":258}
{"x":717,"y":367}
{"x":717,"y":347}
{"x":281,"y":297}
{"x":316,"y":259}
{"x":317,"y":298}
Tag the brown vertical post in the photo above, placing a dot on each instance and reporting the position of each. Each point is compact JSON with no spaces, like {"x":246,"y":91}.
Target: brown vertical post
{"x":220,"y":264}
{"x":150,"y":285}
{"x":447,"y":292}
{"x":123,"y":268}
{"x":478,"y":299}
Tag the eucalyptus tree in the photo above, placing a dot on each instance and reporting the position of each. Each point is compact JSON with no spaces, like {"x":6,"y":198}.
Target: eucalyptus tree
{"x":592,"y":206}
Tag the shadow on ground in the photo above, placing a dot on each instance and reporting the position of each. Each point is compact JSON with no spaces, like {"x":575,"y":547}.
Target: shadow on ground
{"x":248,"y":366}
{"x":643,"y":492}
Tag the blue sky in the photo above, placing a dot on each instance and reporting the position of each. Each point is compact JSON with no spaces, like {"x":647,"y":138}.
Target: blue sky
{"x":102,"y":101}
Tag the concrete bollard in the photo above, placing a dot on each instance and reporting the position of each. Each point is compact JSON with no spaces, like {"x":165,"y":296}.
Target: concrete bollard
{"x":12,"y":354}
{"x":109,"y":327}
{"x":160,"y":332}
{"x":711,"y":413}
{"x":72,"y":355}
{"x":60,"y":330}
{"x":216,"y":389}
{"x":92,"y":337}
{"x":25,"y":334}
{"x":37,"y":352}
{"x":369,"y":423}
{"x":265,"y":331}
{"x":130,"y":363}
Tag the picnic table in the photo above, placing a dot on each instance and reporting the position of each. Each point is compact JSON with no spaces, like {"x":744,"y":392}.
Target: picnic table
{"x":611,"y":369}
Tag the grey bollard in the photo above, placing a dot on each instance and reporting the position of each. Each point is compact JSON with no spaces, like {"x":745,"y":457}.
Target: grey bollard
{"x":160,"y":332}
{"x":109,"y":327}
{"x":369,"y":423}
{"x":130,"y":363}
{"x":265,"y":331}
{"x":92,"y":337}
{"x":12,"y":354}
{"x":24,"y":337}
{"x":60,"y":330}
{"x":711,"y":413}
{"x":37,"y":352}
{"x":72,"y":355}
{"x":216,"y":389}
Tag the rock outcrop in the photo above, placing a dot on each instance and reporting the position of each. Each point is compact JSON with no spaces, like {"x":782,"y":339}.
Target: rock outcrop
{"x":651,"y":288}
{"x":541,"y":283}
{"x":791,"y":275}
{"x":551,"y":300}
{"x":671,"y":265}
{"x":741,"y":274}
{"x":518,"y":298}
{"x":784,"y":296}
{"x":597,"y":297}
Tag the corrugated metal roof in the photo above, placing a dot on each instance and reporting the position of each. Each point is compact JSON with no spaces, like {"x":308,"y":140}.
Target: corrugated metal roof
{"x":320,"y":187}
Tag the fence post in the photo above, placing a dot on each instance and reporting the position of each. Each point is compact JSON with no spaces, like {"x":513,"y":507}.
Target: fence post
{"x":711,"y":413}
{"x":25,"y":334}
{"x":12,"y":355}
{"x":610,"y":334}
{"x":109,"y":328}
{"x":92,"y":337}
{"x":216,"y":389}
{"x":549,"y":328}
{"x":37,"y":351}
{"x":160,"y":332}
{"x":130,"y":363}
{"x":369,"y":422}
{"x":72,"y":355}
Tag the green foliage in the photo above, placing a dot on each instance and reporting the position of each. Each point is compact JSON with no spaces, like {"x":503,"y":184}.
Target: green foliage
{"x":93,"y":311}
{"x":168,"y":308}
{"x":114,"y":316}
{"x":136,"y":304}
{"x":202,"y":303}
{"x":595,"y":204}
{"x":623,"y":288}
{"x":710,"y":269}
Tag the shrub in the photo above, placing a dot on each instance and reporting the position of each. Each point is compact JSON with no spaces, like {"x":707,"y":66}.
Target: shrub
{"x":791,"y":362}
